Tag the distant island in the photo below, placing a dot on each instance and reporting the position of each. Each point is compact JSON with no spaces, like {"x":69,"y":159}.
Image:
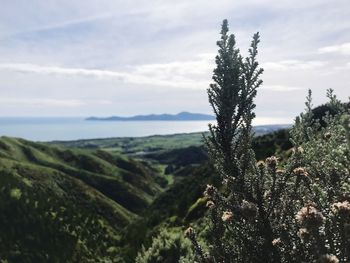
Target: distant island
{"x":182,"y":116}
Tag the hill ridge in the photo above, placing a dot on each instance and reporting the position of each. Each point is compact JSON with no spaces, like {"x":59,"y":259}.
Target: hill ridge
{"x":181,"y":116}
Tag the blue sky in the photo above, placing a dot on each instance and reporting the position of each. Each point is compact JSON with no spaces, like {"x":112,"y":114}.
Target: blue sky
{"x":101,"y":58}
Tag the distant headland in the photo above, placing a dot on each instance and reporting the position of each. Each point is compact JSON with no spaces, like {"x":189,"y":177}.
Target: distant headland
{"x":182,"y":116}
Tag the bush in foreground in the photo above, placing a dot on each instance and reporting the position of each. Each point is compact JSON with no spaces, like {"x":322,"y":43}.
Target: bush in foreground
{"x":264,"y":211}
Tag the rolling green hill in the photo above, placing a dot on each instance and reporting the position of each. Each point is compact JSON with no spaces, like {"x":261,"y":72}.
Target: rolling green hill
{"x":64,"y":204}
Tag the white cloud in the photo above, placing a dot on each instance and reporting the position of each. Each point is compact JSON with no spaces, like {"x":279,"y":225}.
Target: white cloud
{"x":343,"y":49}
{"x":49,"y":102}
{"x":41,"y":102}
{"x":187,"y":74}
{"x":64,"y":24}
{"x":280,"y":88}
{"x":39,"y":69}
{"x":285,"y":65}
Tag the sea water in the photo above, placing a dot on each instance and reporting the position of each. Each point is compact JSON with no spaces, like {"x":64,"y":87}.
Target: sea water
{"x":57,"y":128}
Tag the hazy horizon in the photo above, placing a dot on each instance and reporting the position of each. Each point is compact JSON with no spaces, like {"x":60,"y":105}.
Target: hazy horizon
{"x":256,"y":122}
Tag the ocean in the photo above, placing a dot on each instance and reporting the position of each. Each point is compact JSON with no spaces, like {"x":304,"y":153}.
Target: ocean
{"x":48,"y":129}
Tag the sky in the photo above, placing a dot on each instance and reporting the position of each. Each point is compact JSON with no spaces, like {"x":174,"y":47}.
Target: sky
{"x":114,"y":57}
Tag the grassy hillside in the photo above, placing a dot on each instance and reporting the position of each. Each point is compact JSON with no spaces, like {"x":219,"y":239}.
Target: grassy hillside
{"x":63,"y":204}
{"x":123,"y":180}
{"x":153,"y":144}
{"x":138,"y":145}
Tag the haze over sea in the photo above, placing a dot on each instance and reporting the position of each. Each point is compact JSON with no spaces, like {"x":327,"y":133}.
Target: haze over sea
{"x":60,"y":128}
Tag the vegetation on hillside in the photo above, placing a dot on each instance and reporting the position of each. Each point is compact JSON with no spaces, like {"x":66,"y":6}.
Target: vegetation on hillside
{"x":68,"y":205}
{"x":297,"y":211}
{"x":138,"y":146}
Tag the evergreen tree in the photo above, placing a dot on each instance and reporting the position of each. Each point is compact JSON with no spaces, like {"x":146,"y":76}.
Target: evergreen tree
{"x":231,"y":97}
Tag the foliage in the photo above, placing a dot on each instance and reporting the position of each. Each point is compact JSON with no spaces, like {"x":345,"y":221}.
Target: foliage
{"x":266,"y":211}
{"x":36,"y":226}
{"x":275,"y":143}
{"x":168,"y":247}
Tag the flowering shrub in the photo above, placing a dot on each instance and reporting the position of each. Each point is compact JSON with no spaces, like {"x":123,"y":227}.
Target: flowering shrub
{"x":295,"y":211}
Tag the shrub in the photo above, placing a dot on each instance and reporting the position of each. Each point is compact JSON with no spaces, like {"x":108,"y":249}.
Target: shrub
{"x":168,"y":247}
{"x":266,"y":212}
